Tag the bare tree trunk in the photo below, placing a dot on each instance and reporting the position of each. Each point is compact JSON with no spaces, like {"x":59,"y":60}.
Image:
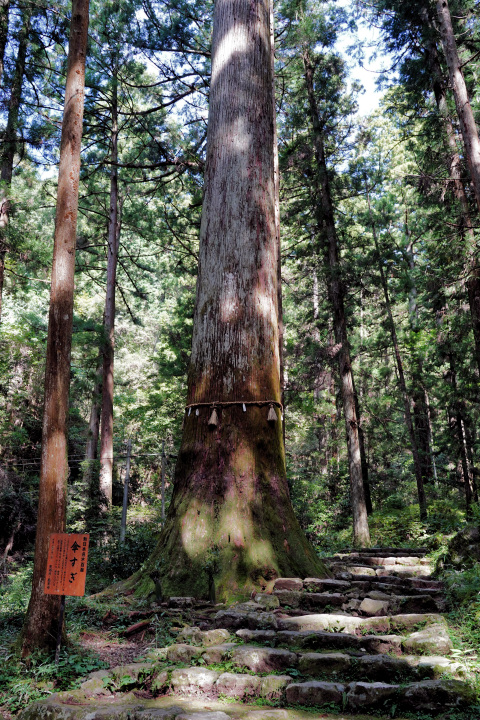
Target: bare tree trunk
{"x":40,"y":627}
{"x":422,"y":501}
{"x":106,"y":433}
{"x":10,"y":136}
{"x":361,"y":534}
{"x":230,"y":522}
{"x":462,"y":102}
{"x":4,"y":10}
{"x":93,"y":432}
{"x":457,"y":416}
{"x":454,"y":166}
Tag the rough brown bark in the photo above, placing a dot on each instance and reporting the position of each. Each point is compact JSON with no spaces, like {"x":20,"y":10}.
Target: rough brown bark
{"x":468,"y":127}
{"x":454,"y":167}
{"x":230,"y":521}
{"x":9,"y":144}
{"x":326,"y":221}
{"x":106,"y":434}
{"x":422,"y":501}
{"x":4,"y":10}
{"x":40,"y":627}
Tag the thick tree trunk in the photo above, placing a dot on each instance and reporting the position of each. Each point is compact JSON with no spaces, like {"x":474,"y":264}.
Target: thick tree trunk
{"x":40,"y":628}
{"x":106,"y":434}
{"x":462,"y":102}
{"x":4,"y":10}
{"x":230,"y":521}
{"x":10,"y":136}
{"x":422,"y":501}
{"x":361,"y":534}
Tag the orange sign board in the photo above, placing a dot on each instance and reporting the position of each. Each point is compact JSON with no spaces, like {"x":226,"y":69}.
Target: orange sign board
{"x":66,"y":564}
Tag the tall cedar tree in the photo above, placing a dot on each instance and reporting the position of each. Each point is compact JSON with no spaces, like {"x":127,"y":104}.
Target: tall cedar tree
{"x":40,"y":627}
{"x":231,"y":527}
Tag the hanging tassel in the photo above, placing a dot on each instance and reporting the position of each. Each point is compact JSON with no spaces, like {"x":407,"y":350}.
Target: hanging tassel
{"x":272,"y":415}
{"x":197,"y":412}
{"x":213,"y":421}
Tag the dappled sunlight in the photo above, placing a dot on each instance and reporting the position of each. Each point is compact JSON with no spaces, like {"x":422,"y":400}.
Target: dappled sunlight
{"x":196,"y":529}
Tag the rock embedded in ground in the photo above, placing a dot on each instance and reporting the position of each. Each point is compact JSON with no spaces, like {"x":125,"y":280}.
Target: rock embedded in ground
{"x":235,"y":685}
{"x":314,"y":664}
{"x":218,"y":653}
{"x":258,"y":636}
{"x":368,"y":606}
{"x":261,"y":660}
{"x":433,"y":639}
{"x":272,"y":687}
{"x":181,"y":602}
{"x":432,"y":695}
{"x":268,"y":602}
{"x":364,"y":696}
{"x":290,"y":598}
{"x":288,"y":584}
{"x":182,"y":653}
{"x":194,"y":680}
{"x":315,"y":693}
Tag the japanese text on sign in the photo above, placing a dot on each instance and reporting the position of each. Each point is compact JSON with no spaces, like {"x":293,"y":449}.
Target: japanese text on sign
{"x":66,"y":564}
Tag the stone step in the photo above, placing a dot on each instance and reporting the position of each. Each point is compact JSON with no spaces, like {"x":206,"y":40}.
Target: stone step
{"x":344,"y":571}
{"x":432,"y":696}
{"x":376,"y":668}
{"x":355,"y":625}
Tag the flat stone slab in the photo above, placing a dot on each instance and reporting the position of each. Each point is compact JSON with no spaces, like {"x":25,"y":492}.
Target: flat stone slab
{"x":325,"y":585}
{"x":181,"y":602}
{"x":260,"y":660}
{"x":317,"y":640}
{"x":193,"y":680}
{"x":315,"y":693}
{"x":363,"y":695}
{"x":313,"y":600}
{"x":238,"y":686}
{"x":218,"y":653}
{"x":258,"y":636}
{"x":290,"y":598}
{"x":288,"y":584}
{"x":324,"y":663}
{"x":432,"y":639}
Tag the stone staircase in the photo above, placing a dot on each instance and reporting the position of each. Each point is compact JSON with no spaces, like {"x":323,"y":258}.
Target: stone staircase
{"x":370,"y":639}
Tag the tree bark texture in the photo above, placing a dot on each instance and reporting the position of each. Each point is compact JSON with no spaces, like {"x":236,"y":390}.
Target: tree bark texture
{"x":422,"y":500}
{"x":106,"y":433}
{"x":41,"y":622}
{"x":4,"y":10}
{"x":462,"y":102}
{"x":231,"y":521}
{"x":326,"y":222}
{"x":454,"y":167}
{"x":10,"y":135}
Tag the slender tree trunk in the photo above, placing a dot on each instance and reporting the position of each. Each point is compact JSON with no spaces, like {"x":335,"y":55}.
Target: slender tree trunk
{"x":91,"y":448}
{"x":10,"y":135}
{"x":230,"y":522}
{"x":454,"y":166}
{"x":361,"y":534}
{"x":422,"y":501}
{"x":462,"y":441}
{"x":106,"y":434}
{"x":462,"y":102}
{"x":40,"y":628}
{"x":4,"y":10}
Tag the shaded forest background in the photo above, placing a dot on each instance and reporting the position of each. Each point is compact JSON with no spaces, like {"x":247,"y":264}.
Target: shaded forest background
{"x":401,"y":228}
